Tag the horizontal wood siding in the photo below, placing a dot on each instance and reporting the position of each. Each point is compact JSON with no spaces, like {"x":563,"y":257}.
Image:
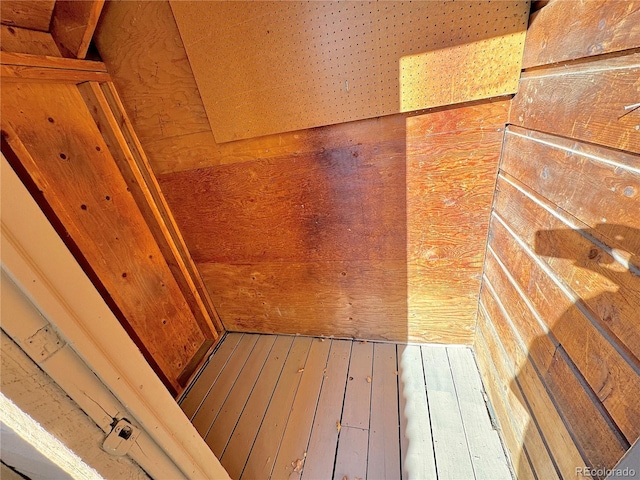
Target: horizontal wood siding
{"x":558,"y":334}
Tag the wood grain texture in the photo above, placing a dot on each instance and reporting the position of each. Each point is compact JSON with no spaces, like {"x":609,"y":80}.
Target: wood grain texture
{"x":450,"y":183}
{"x":31,"y":14}
{"x":518,"y":454}
{"x":612,"y":379}
{"x":140,"y":43}
{"x":354,"y":299}
{"x":591,"y":182}
{"x":601,"y":287}
{"x":28,"y":60}
{"x":602,"y":28}
{"x":562,"y":447}
{"x":66,"y":153}
{"x":73,"y":23}
{"x":22,"y":40}
{"x":585,"y":102}
{"x":522,"y":435}
{"x":307,"y":65}
{"x":344,"y":203}
{"x":108,"y":113}
{"x":363,"y":232}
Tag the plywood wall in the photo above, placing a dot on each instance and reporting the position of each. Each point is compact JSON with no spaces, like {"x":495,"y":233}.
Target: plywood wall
{"x":558,"y":338}
{"x":380,"y":238}
{"x":344,"y":230}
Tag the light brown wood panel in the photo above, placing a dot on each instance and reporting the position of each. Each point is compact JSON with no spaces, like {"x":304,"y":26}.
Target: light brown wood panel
{"x":614,"y":381}
{"x":601,"y":443}
{"x":524,"y":375}
{"x":483,"y":114}
{"x":528,"y":450}
{"x":68,"y":161}
{"x":603,"y":27}
{"x":399,"y":235}
{"x":533,"y":336}
{"x":518,"y":450}
{"x":584,"y":101}
{"x":605,"y":287}
{"x":450,"y":184}
{"x":359,"y":299}
{"x":22,"y":40}
{"x":140,"y":43}
{"x":344,"y":203}
{"x":73,"y":23}
{"x":600,"y":186}
{"x":32,"y":14}
{"x":305,"y":65}
{"x":196,"y":150}
{"x":116,"y":130}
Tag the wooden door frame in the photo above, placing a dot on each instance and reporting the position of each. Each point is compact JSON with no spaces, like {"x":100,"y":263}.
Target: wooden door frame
{"x":36,"y":259}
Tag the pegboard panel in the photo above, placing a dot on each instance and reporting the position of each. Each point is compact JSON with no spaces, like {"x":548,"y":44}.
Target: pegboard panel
{"x":271,"y":67}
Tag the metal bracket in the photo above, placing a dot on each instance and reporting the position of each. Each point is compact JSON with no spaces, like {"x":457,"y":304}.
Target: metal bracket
{"x":121,"y":438}
{"x":42,"y":344}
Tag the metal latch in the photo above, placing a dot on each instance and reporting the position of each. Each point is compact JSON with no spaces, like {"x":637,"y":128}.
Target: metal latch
{"x":121,"y":438}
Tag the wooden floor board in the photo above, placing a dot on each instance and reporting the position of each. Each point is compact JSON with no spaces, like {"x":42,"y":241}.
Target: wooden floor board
{"x":209,"y":409}
{"x":265,"y":448}
{"x":485,"y":448}
{"x":416,"y":444}
{"x":449,"y":439}
{"x":351,"y":460}
{"x":237,"y":451}
{"x":293,"y":449}
{"x":285,"y":407}
{"x":323,"y":443}
{"x":223,"y":426}
{"x":357,"y":400}
{"x":195,"y":396}
{"x":384,"y":425}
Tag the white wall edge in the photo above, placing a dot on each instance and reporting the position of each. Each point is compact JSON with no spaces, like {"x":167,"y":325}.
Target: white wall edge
{"x":38,"y":262}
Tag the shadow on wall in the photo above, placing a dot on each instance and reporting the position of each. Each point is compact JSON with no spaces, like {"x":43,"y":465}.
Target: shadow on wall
{"x":591,"y":377}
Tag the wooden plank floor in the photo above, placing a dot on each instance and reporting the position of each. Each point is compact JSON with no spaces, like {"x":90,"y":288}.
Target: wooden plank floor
{"x":282,"y":407}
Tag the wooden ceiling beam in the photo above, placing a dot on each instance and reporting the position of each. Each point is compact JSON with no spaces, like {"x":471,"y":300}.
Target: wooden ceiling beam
{"x":24,"y":67}
{"x":73,"y":24}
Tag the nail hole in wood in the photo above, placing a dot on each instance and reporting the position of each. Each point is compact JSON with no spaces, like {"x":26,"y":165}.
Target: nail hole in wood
{"x":83,"y":207}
